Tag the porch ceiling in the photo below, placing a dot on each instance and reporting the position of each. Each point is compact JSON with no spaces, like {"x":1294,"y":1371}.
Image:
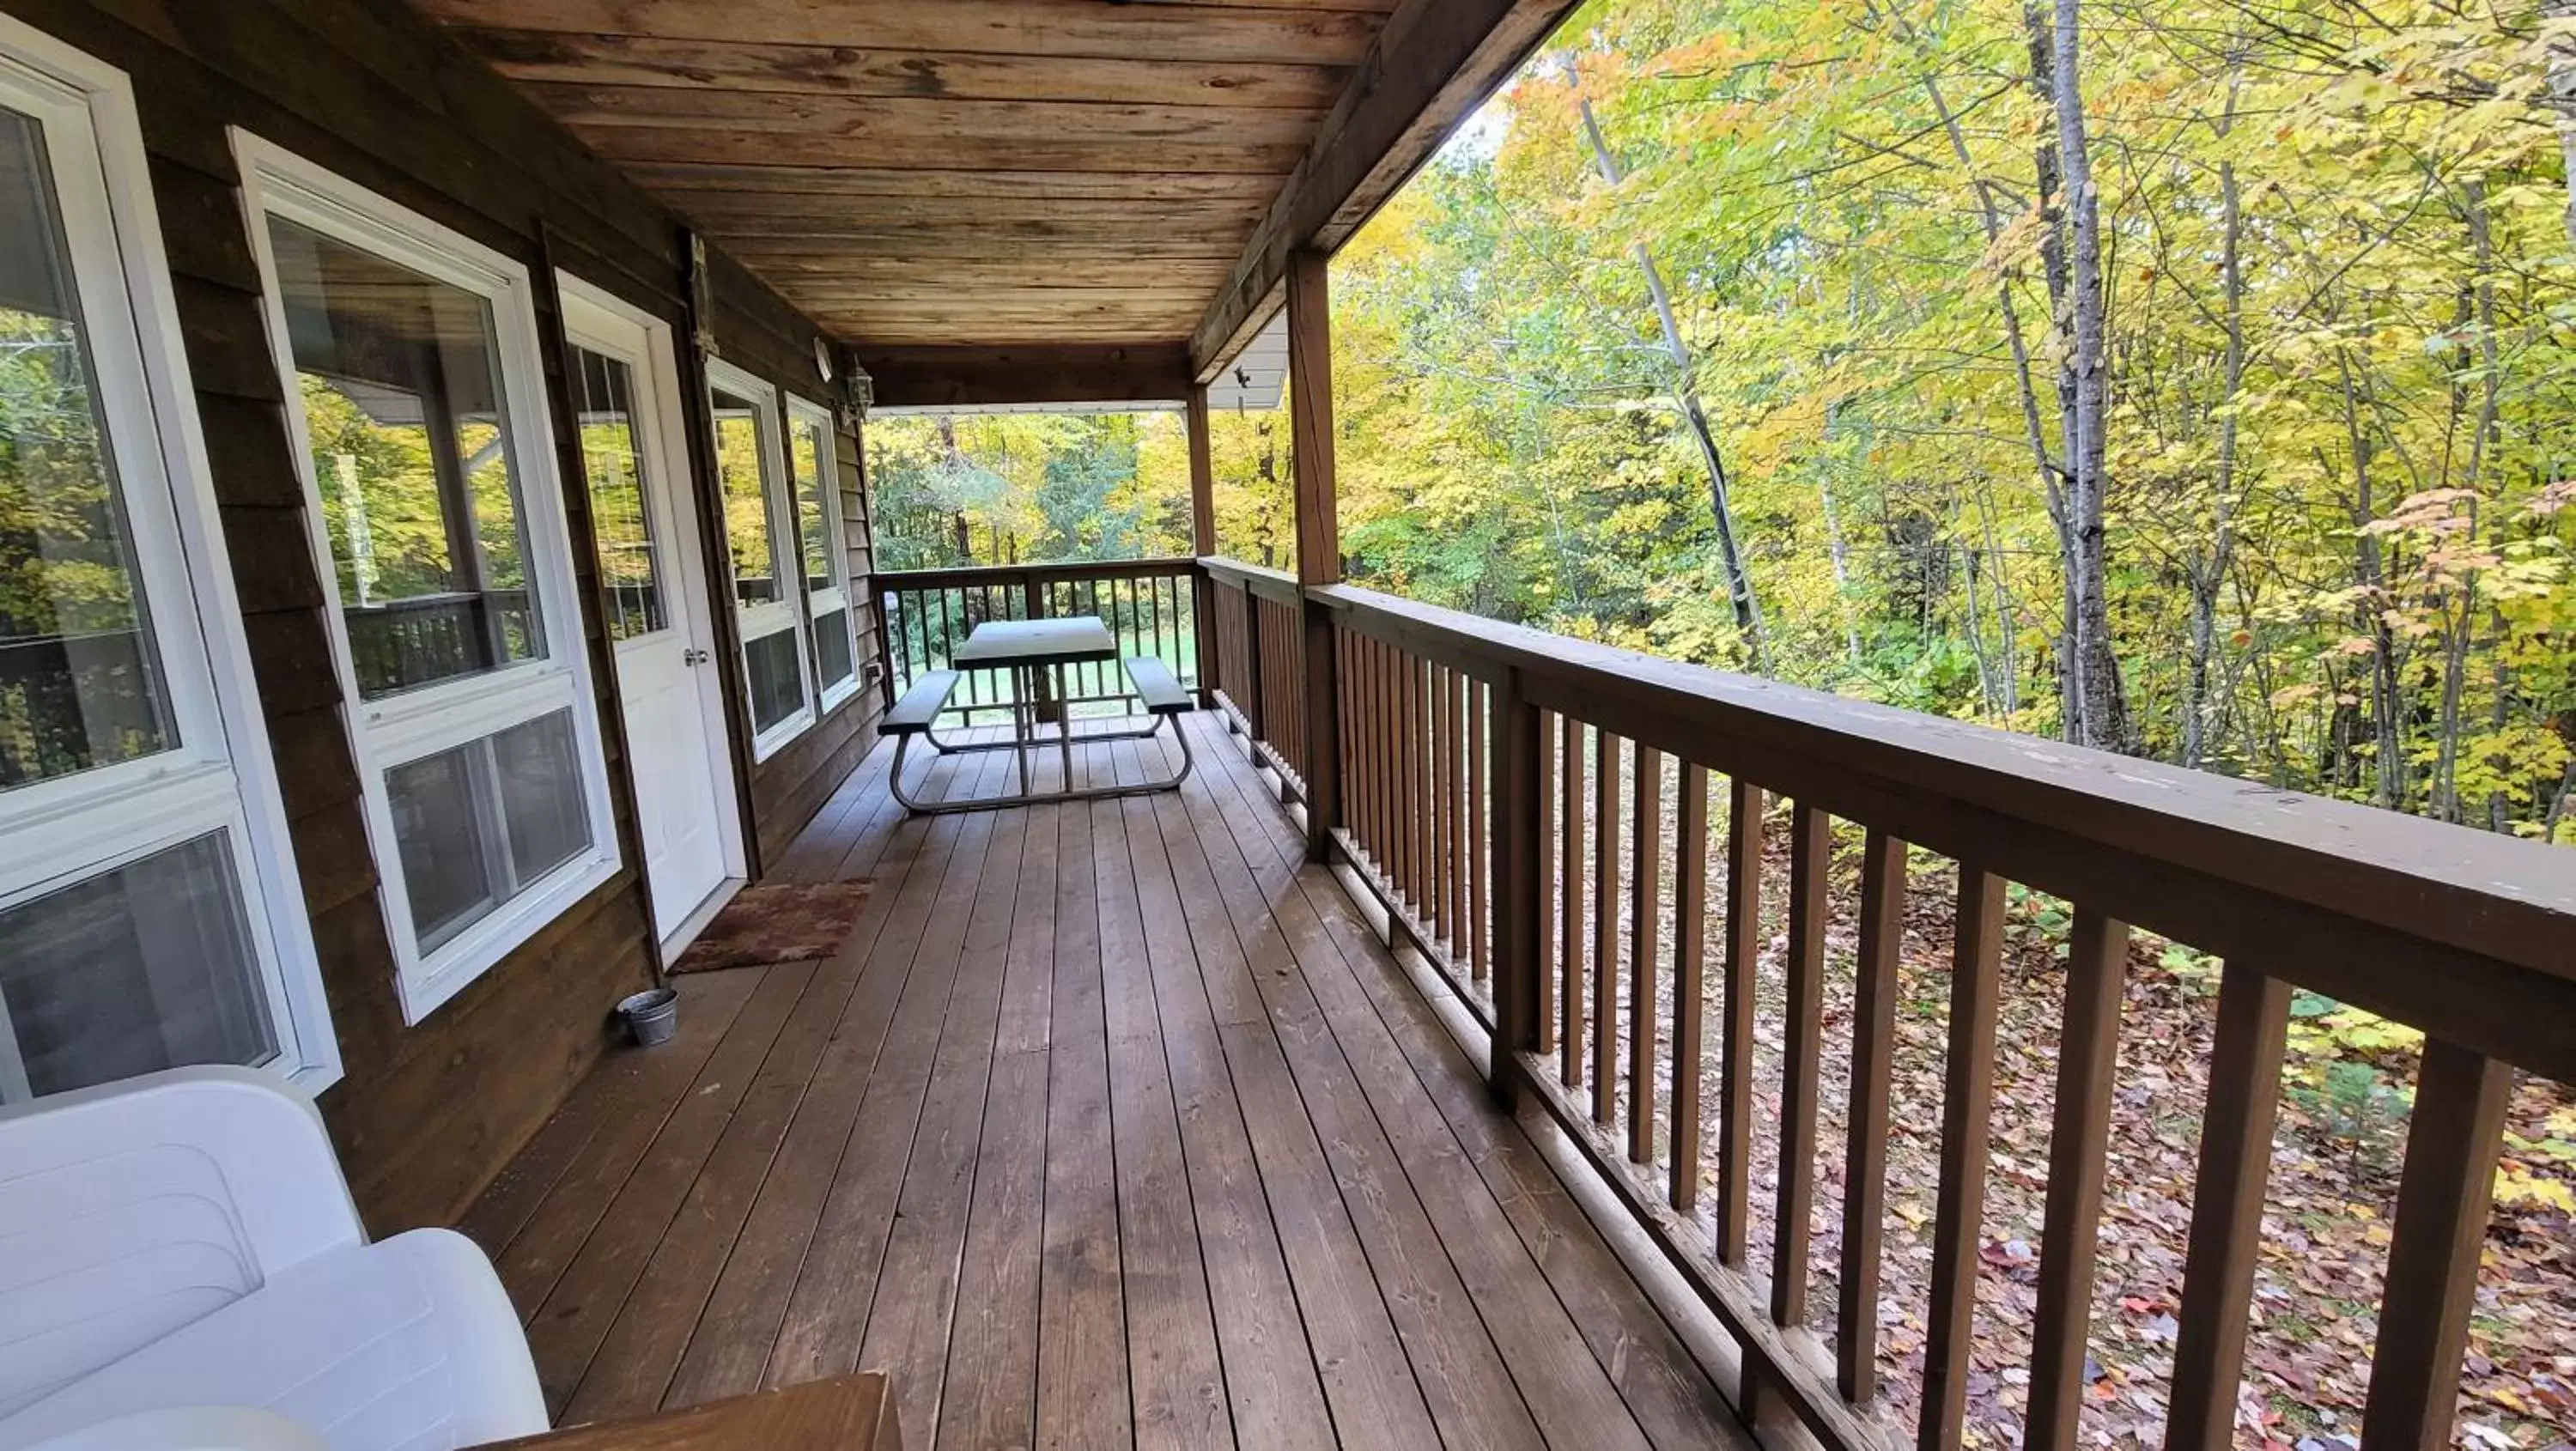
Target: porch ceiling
{"x":936,"y":171}
{"x":995,"y":176}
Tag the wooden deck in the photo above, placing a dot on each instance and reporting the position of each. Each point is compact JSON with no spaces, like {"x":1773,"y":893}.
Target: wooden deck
{"x":1113,"y":1124}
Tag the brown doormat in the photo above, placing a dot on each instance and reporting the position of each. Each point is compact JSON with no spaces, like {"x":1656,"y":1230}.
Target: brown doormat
{"x":777,"y":922}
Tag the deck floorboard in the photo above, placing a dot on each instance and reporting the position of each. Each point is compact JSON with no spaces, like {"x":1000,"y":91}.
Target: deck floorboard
{"x":1113,"y":1125}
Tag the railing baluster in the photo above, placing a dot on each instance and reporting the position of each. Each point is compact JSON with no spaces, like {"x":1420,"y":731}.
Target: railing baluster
{"x":1967,"y":1103}
{"x":1690,"y":968}
{"x":1399,"y":743}
{"x":2088,"y":1056}
{"x":1453,"y":806}
{"x":1605,"y":930}
{"x":1520,"y":870}
{"x":2227,"y":1207}
{"x":1743,"y":953}
{"x":1882,"y":930}
{"x":1544,"y":956}
{"x":1645,"y":918}
{"x":1415,"y":787}
{"x":1372,"y":681}
{"x":1453,"y":790}
{"x":1444,"y":846}
{"x":1453,"y":813}
{"x":1793,"y":1227}
{"x":2442,"y":1202}
{"x":1343,"y":710}
{"x":1480,"y":839}
{"x":1570,"y":1027}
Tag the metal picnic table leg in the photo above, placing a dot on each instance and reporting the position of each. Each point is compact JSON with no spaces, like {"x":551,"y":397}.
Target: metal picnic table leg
{"x":1063,"y":723}
{"x":1021,"y":727}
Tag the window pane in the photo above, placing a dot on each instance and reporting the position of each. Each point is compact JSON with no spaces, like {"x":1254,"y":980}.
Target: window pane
{"x":401,"y":380}
{"x":805,"y":458}
{"x":146,"y":967}
{"x":621,"y":522}
{"x":540,"y":778}
{"x":832,"y":646}
{"x":748,"y":535}
{"x":777,"y":678}
{"x":484,"y":821}
{"x":80,"y":678}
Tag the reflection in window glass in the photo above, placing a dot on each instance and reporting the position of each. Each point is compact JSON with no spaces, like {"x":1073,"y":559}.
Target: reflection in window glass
{"x":145,"y":967}
{"x":483,"y":822}
{"x":805,"y":455}
{"x":621,"y":521}
{"x":832,"y":646}
{"x":401,"y":384}
{"x":80,"y":680}
{"x":777,"y":678}
{"x":748,"y":536}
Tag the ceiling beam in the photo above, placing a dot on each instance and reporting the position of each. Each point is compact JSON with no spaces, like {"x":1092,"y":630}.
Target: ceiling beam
{"x":934,"y":376}
{"x":1435,"y":61}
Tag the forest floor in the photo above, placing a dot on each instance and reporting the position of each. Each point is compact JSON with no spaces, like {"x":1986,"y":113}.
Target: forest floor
{"x":2337,"y":1154}
{"x":2336,"y":1159}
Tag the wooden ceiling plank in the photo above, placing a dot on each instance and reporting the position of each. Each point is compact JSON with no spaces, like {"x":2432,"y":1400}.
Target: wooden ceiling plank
{"x":1161,"y":274}
{"x":866,"y":119}
{"x":1435,"y":62}
{"x":636,"y":60}
{"x":1031,"y":240}
{"x":757,"y":208}
{"x":867,"y":181}
{"x":1038,"y":152}
{"x":1290,"y":34}
{"x":799,"y":255}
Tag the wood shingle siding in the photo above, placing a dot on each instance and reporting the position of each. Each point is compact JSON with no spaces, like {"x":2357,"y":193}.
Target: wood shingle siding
{"x":426,"y":1114}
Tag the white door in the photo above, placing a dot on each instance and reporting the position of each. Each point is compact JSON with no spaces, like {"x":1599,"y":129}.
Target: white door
{"x":654,"y":601}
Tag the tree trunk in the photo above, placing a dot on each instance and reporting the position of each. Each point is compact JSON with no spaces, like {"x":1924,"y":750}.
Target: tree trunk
{"x":2209,"y":571}
{"x":2057,"y":273}
{"x":1739,"y":582}
{"x":2104,"y":715}
{"x":2562,"y":92}
{"x":2387,"y":728}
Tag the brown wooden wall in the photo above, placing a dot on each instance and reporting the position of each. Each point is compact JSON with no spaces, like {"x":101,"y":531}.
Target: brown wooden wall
{"x":426,"y":1114}
{"x":757,"y":332}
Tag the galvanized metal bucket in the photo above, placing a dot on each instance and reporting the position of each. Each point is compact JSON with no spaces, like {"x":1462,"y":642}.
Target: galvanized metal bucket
{"x":652,"y":1015}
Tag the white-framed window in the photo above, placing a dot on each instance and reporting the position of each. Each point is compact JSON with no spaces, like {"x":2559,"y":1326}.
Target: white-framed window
{"x":150,"y":913}
{"x":812,"y":464}
{"x":761,"y":548}
{"x":414,"y":382}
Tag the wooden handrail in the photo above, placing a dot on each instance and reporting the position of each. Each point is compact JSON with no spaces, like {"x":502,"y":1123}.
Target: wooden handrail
{"x":1275,"y":584}
{"x":2469,"y":937}
{"x":2436,"y":925}
{"x":977,"y":574}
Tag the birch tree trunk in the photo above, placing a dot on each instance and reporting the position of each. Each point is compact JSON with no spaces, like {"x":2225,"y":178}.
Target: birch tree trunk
{"x":2056,"y":271}
{"x":2104,"y":716}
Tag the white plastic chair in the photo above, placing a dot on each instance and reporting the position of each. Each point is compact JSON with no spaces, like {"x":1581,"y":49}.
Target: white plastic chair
{"x":185,"y":1240}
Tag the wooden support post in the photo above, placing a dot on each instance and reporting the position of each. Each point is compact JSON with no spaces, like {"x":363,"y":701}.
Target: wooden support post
{"x":1319,"y":545}
{"x":1202,"y":544}
{"x":1520,"y":911}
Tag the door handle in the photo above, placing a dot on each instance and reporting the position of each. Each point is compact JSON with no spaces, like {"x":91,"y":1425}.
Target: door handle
{"x":694,"y":656}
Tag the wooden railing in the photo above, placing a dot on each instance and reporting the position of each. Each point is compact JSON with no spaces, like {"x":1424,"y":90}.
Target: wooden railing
{"x":1536,"y":812}
{"x":1151,"y":605}
{"x":1264,"y":687}
{"x":399,"y":644}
